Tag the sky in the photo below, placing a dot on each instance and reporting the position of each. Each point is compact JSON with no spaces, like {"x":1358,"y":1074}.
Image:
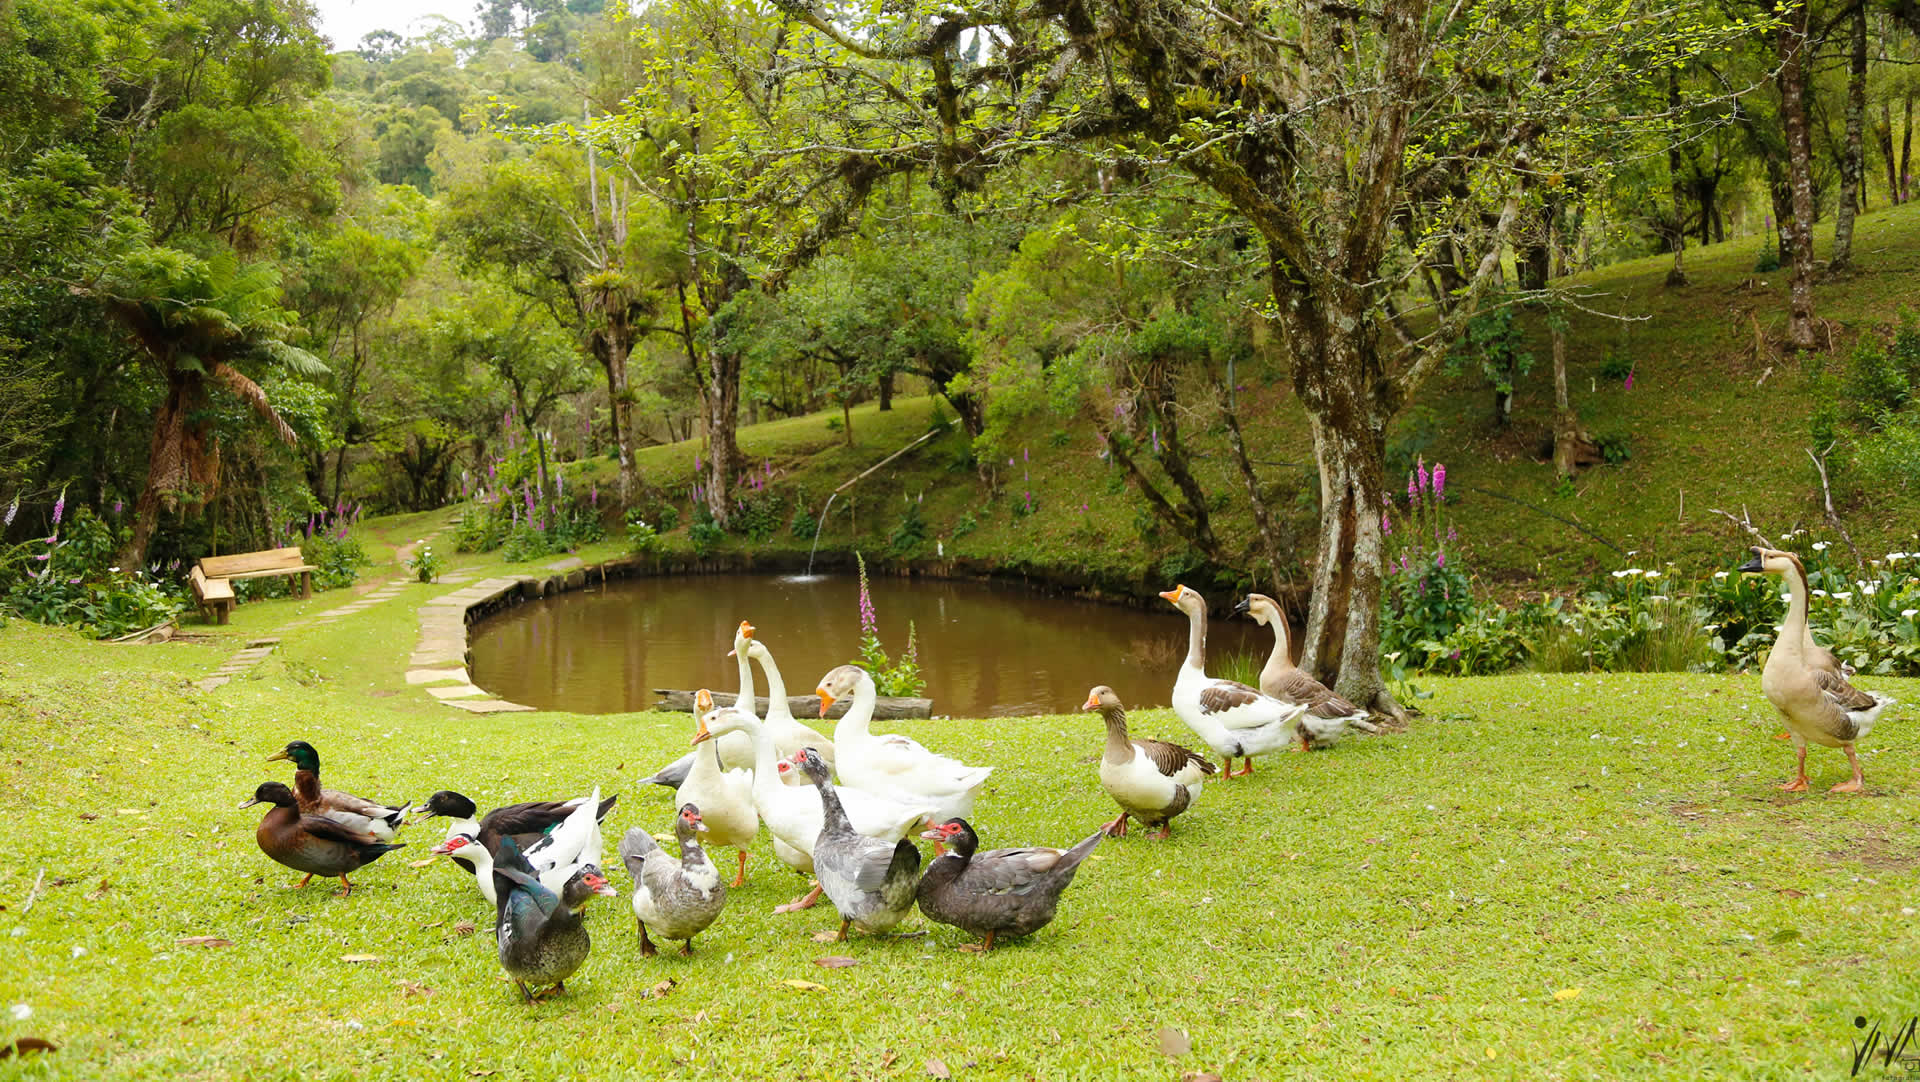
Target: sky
{"x":347,"y":21}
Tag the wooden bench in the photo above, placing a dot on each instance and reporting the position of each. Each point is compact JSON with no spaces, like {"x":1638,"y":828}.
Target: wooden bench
{"x":215,"y":595}
{"x":217,"y":572}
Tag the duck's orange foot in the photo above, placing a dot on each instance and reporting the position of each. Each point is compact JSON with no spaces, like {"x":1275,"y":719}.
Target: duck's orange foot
{"x":973,"y":948}
{"x":1797,"y":785}
{"x":1783,"y":736}
{"x":1851,"y":785}
{"x":805,"y":901}
{"x":1162,"y":834}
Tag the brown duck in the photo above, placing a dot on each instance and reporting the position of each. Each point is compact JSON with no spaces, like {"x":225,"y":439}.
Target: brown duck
{"x":313,"y":844}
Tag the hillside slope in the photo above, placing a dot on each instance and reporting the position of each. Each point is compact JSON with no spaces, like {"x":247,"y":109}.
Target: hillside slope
{"x":1710,"y":421}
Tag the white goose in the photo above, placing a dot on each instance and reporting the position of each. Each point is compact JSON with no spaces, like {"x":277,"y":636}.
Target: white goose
{"x":1231,"y":717}
{"x":794,"y":814}
{"x":1818,"y":704}
{"x":1329,"y":715}
{"x":1151,"y":780}
{"x":724,"y":797}
{"x":788,"y":733}
{"x":889,"y":764}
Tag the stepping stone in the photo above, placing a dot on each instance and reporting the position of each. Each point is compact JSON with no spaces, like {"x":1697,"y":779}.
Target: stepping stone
{"x":255,"y":644}
{"x":567,"y":564}
{"x":427,"y":659}
{"x":434,"y":676}
{"x":456,"y":691}
{"x":212,"y":682}
{"x":486,"y":706}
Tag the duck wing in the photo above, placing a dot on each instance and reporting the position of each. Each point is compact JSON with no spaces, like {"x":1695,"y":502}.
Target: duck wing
{"x":1295,"y":686}
{"x":1171,"y":759}
{"x":1842,"y":694}
{"x":880,"y":864}
{"x":1234,"y":705}
{"x":537,"y":817}
{"x":635,"y":846}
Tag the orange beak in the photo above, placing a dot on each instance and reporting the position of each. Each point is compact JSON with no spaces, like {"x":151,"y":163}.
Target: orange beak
{"x":1092,"y":703}
{"x":826,"y":700}
{"x":701,"y":734}
{"x":746,"y":629}
{"x":1173,"y":595}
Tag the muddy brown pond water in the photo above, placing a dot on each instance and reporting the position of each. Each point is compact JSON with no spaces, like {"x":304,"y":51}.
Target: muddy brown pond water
{"x":987,"y":649}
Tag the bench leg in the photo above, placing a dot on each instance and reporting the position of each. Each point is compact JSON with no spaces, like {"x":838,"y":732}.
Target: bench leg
{"x":306,"y":585}
{"x":224,"y":610}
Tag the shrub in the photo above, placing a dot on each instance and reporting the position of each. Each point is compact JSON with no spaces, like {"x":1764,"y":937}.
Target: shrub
{"x":706,"y":536}
{"x":911,"y":533}
{"x":68,"y":578}
{"x":426,"y":563}
{"x":758,"y":515}
{"x":803,"y":526}
{"x":901,"y":677}
{"x":642,"y":539}
{"x":1769,"y":258}
{"x":1615,"y":368}
{"x":1875,"y":383}
{"x":1614,"y":447}
{"x":336,"y":556}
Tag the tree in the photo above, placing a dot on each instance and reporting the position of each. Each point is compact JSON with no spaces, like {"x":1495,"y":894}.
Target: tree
{"x":1319,"y":126}
{"x":196,"y":321}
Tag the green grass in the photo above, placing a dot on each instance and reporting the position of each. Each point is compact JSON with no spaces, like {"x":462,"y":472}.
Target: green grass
{"x":1423,"y":904}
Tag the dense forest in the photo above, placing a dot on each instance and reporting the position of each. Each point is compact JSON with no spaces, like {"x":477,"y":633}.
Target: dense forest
{"x":259,"y":283}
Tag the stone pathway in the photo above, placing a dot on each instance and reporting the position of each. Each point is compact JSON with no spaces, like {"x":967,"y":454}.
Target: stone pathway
{"x":440,"y":658}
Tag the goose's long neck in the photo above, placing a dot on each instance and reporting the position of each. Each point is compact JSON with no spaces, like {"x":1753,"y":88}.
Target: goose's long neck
{"x":1119,"y":749}
{"x":1793,"y":631}
{"x":766,"y":773}
{"x":1197,"y":639}
{"x":1281,"y":659}
{"x":776,"y":688}
{"x":834,"y":815}
{"x":746,"y":700}
{"x":865,"y":698}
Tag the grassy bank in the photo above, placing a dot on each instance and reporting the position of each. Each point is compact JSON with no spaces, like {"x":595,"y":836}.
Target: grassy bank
{"x":1709,"y":422}
{"x":1549,"y":877}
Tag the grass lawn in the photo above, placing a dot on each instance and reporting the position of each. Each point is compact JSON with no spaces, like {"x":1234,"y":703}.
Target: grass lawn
{"x":1546,"y":877}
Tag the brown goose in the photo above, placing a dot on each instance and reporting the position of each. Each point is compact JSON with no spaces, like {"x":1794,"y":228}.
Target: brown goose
{"x":1005,"y":892}
{"x":1818,"y":705}
{"x":1151,"y":780}
{"x":1328,"y":715}
{"x":313,"y":844}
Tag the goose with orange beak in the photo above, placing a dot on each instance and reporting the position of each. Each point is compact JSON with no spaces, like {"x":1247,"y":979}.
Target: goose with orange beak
{"x":891,"y":765}
{"x":1235,"y":720}
{"x":724,"y":797}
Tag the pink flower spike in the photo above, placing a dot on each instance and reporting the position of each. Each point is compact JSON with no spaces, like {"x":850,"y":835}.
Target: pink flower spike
{"x":1426,"y":480}
{"x":1629,"y":384}
{"x":1440,"y":559}
{"x":1386,"y":524}
{"x":1413,"y":489}
{"x":59,"y":507}
{"x":1439,"y":481}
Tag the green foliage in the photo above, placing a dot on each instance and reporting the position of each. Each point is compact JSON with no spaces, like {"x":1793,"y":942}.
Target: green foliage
{"x":910,"y":534}
{"x":336,"y":555}
{"x":1494,"y":342}
{"x":427,"y":564}
{"x":1768,"y":260}
{"x":902,"y":677}
{"x":964,"y":525}
{"x":705,"y":535}
{"x":642,"y":539}
{"x":802,"y":526}
{"x":1889,"y":460}
{"x":69,"y":578}
{"x":760,"y":514}
{"x":1615,"y":447}
{"x":1875,"y":383}
{"x":1616,"y":367}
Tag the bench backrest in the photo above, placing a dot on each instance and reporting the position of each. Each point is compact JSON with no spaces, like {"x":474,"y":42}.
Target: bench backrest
{"x":220,"y":567}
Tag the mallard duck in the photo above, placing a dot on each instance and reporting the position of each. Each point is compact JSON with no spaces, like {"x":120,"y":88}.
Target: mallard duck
{"x":724,"y":797}
{"x":541,"y":933}
{"x":793,"y":813}
{"x":788,"y":733}
{"x":1151,"y":780}
{"x":1004,"y":892}
{"x":869,"y":882}
{"x":572,"y":844}
{"x":1328,"y":715}
{"x":313,"y":844}
{"x":735,"y":754}
{"x":1818,"y":705}
{"x":890,"y":764}
{"x":680,"y":898}
{"x":1234,"y":719}
{"x":356,"y":813}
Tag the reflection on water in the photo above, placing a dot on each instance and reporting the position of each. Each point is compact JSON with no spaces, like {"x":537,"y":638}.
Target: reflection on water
{"x":987,"y":650}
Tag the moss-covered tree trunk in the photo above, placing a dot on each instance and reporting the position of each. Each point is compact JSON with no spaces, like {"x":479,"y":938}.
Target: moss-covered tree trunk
{"x":1797,"y":228}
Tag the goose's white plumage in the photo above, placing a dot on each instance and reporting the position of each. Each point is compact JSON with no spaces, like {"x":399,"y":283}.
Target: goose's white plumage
{"x":889,"y":764}
{"x":724,"y":797}
{"x":1817,"y":703}
{"x":788,"y":733}
{"x":794,"y":815}
{"x":1151,"y":780}
{"x":1234,"y":719}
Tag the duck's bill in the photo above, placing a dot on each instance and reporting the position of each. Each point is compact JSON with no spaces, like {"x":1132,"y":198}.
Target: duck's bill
{"x":248,"y":803}
{"x":1173,"y":594}
{"x":1092,"y":703}
{"x":278,"y":755}
{"x":701,"y":828}
{"x":934,"y":835}
{"x":1753,"y":567}
{"x":1241,"y":606}
{"x":826,"y":700}
{"x":701,"y":734}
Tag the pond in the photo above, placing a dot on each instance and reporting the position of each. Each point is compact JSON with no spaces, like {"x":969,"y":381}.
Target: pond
{"x":988,"y":649}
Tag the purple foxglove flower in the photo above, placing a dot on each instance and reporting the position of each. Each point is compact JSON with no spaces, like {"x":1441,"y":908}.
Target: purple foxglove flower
{"x":1426,"y":481}
{"x":1386,"y":524}
{"x":1439,"y":559}
{"x":1439,"y":481}
{"x":117,"y":505}
{"x":1413,"y":489}
{"x":1156,"y":439}
{"x":593,"y":494}
{"x":43,"y":556}
{"x":73,"y":582}
{"x":1024,"y":456}
{"x":1629,"y":384}
{"x":696,"y":462}
{"x":59,"y":507}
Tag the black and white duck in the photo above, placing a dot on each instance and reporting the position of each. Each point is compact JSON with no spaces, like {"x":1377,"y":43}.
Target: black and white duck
{"x":999,"y":893}
{"x":354,"y":812}
{"x":870,"y":882}
{"x":313,"y":844}
{"x":554,"y":856}
{"x":542,"y":934}
{"x":526,"y":823}
{"x":679,"y":898}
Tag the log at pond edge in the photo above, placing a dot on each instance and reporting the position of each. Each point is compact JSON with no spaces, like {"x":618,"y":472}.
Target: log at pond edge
{"x":804,"y":707}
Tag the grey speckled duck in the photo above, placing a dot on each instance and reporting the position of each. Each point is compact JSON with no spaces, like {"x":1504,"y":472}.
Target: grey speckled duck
{"x":542,"y":935}
{"x":680,"y":898}
{"x":1003,"y":892}
{"x":870,"y":882}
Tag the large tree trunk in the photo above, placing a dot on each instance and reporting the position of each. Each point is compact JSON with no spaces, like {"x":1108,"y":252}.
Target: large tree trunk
{"x":886,"y":390}
{"x":1797,"y":233}
{"x":165,"y":469}
{"x":1853,"y":163}
{"x":723,"y":421}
